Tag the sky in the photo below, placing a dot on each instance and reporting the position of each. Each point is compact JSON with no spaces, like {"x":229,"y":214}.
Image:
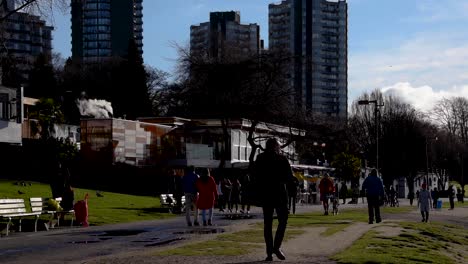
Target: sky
{"x":415,"y":49}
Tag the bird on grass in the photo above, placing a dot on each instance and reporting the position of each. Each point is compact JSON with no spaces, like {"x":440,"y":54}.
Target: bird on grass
{"x":99,"y":194}
{"x":20,"y":192}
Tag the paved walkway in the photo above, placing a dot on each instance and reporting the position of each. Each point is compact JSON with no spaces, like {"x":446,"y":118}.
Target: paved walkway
{"x":134,"y":242}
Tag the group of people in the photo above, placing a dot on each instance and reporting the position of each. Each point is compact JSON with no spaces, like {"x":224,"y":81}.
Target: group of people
{"x":200,"y":194}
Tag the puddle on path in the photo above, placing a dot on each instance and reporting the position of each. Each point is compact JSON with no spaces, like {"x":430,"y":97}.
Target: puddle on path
{"x":164,"y":242}
{"x":201,"y":231}
{"x":117,"y":233}
{"x":84,"y":242}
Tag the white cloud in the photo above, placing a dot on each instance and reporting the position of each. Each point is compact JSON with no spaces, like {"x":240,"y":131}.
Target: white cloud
{"x":435,"y":60}
{"x":423,"y":97}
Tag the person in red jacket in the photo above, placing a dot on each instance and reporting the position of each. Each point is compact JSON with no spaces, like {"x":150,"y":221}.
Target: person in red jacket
{"x":207,"y":194}
{"x":326,"y":189}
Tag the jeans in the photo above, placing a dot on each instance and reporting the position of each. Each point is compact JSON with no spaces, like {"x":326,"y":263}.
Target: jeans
{"x":210,"y":214}
{"x":190,"y":199}
{"x":282,"y":213}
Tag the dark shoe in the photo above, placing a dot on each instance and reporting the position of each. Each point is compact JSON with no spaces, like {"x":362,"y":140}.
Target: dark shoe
{"x":269,"y":258}
{"x":371,"y":222}
{"x":423,"y":220}
{"x":210,"y":223}
{"x":204,"y":223}
{"x":189,"y":224}
{"x":378,"y":221}
{"x":279,"y":254}
{"x":196,"y":223}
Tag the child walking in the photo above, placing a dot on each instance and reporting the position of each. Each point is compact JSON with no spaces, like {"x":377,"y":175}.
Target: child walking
{"x":424,"y":202}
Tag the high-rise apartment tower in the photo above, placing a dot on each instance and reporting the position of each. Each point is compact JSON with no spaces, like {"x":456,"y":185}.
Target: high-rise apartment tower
{"x":223,"y":35}
{"x":24,"y":37}
{"x":104,"y":28}
{"x":315,"y":33}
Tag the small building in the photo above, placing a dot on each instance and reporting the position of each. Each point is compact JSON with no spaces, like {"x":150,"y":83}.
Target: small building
{"x":199,"y":142}
{"x":111,"y":140}
{"x":11,"y":102}
{"x":177,"y":142}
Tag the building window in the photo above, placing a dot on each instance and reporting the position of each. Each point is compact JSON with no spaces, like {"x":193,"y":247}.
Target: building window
{"x":4,"y":107}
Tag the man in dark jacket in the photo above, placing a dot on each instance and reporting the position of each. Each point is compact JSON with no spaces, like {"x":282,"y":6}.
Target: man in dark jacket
{"x":374,"y":191}
{"x":273,"y":172}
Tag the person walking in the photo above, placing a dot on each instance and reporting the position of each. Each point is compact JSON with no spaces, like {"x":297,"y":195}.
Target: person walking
{"x":190,"y":191}
{"x":292,"y":195}
{"x":273,"y":172}
{"x":424,"y":202}
{"x":246,"y":195}
{"x":326,"y":189}
{"x":435,"y":197}
{"x":373,"y":187}
{"x":234,"y":195}
{"x":411,"y":197}
{"x":221,"y":199}
{"x":343,"y":192}
{"x":207,"y":194}
{"x":451,"y":195}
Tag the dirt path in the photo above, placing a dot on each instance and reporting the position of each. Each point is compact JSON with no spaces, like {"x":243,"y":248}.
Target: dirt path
{"x":310,"y":247}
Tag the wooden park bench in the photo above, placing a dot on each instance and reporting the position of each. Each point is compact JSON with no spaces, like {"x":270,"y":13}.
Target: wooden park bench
{"x":16,"y":208}
{"x":41,"y":205}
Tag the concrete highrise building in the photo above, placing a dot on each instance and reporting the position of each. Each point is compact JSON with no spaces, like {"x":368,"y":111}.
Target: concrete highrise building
{"x":224,"y":34}
{"x":23,"y":37}
{"x":315,"y":33}
{"x":104,"y":28}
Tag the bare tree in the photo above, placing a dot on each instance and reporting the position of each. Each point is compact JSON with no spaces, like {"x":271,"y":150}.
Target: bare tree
{"x":451,"y":114}
{"x":37,"y":7}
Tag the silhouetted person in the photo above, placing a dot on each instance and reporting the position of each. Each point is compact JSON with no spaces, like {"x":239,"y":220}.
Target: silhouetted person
{"x":292,"y":195}
{"x":411,"y":197}
{"x":273,"y":172}
{"x":424,"y":203}
{"x":451,"y":195}
{"x":246,"y":194}
{"x":435,"y":197}
{"x":344,"y":192}
{"x":375,"y":191}
{"x":189,"y":186}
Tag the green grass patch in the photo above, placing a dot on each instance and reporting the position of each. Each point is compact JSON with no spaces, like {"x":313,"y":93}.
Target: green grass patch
{"x":111,"y":209}
{"x":446,"y":205}
{"x":397,"y":210}
{"x":211,"y":248}
{"x":234,"y":244}
{"x":418,"y":243}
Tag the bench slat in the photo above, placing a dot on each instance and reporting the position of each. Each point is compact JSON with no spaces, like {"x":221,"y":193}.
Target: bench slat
{"x":12,"y":211}
{"x":12,"y":205}
{"x":6,"y":201}
{"x":17,"y":215}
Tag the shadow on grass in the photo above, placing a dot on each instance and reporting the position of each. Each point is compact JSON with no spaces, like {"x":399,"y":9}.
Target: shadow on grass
{"x":148,"y":210}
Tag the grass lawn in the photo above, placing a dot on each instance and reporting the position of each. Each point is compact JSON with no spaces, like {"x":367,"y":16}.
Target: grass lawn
{"x":244,"y":242}
{"x":418,"y":243}
{"x":110,"y":209}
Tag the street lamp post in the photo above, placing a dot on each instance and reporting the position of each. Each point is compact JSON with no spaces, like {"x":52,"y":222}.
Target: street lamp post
{"x":427,"y":159}
{"x":377,"y":106}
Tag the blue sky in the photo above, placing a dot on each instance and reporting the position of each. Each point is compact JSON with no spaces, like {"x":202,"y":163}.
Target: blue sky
{"x":417,"y":49}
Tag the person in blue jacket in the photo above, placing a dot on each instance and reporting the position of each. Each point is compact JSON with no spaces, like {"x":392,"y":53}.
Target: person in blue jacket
{"x":374,"y":192}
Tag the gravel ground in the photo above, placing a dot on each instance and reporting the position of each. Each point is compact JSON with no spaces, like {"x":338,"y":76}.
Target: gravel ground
{"x":57,"y":246}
